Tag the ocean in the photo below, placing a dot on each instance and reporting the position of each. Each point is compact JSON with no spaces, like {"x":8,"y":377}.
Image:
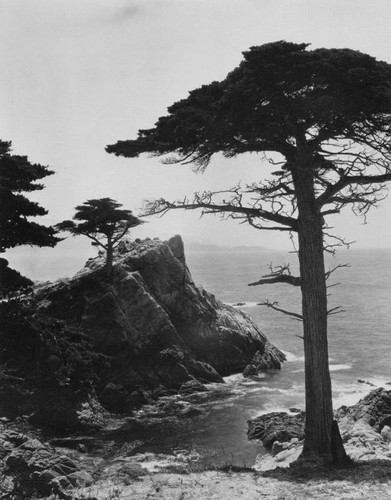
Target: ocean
{"x":359,"y":337}
{"x":359,"y":344}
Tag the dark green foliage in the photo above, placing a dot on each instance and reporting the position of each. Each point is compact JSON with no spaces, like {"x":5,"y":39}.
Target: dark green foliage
{"x":45,"y":352}
{"x":278,"y":88}
{"x":18,"y":175}
{"x":103,"y":221}
{"x":11,"y":281}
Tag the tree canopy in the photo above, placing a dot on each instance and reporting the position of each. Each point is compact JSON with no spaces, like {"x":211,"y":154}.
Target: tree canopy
{"x":323,"y":117}
{"x":280,"y":90}
{"x":103,"y":221}
{"x":17,"y":176}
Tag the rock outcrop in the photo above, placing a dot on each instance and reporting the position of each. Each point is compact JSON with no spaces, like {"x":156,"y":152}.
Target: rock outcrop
{"x":31,"y":469}
{"x":365,"y":429}
{"x":276,"y":427}
{"x":154,"y":323}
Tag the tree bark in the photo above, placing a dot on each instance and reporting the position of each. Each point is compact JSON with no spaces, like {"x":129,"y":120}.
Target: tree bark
{"x":109,"y":255}
{"x":318,"y":396}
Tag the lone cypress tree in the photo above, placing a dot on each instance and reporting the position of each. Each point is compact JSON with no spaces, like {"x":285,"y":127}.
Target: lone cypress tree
{"x":325,"y":115}
{"x":104,"y":222}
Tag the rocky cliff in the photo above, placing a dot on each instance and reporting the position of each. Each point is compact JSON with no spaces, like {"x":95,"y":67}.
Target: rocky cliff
{"x":150,"y":317}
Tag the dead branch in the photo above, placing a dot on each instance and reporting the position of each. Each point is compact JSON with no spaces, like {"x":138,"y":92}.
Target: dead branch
{"x":278,"y":274}
{"x":332,"y":270}
{"x":233,"y":208}
{"x":274,"y":306}
{"x":335,"y":310}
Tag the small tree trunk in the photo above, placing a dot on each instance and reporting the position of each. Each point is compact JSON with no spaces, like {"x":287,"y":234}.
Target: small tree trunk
{"x":109,"y":256}
{"x":318,"y":397}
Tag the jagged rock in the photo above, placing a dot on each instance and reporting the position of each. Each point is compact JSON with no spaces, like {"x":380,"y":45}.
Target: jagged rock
{"x":266,"y":359}
{"x":203,"y":371}
{"x":151,"y":305}
{"x":365,"y":430}
{"x":373,"y":410}
{"x":37,"y":469}
{"x":276,"y":426}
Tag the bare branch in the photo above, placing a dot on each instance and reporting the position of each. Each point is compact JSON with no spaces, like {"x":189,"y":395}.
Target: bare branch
{"x":233,"y":208}
{"x":335,"y":310}
{"x":339,"y":242}
{"x":274,"y":306}
{"x":330,"y":271}
{"x":279,"y":274}
{"x":284,"y":278}
{"x":347,"y":180}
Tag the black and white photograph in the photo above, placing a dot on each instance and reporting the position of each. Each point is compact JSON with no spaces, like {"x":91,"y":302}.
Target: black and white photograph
{"x":195,"y":249}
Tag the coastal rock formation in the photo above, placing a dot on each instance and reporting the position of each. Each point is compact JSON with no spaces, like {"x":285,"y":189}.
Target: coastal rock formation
{"x":30,"y":468}
{"x":155,"y":324}
{"x":373,"y":410}
{"x":276,"y":427}
{"x":365,"y":429}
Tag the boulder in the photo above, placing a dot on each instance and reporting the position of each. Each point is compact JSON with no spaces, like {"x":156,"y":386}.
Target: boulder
{"x":268,"y":358}
{"x":276,"y":426}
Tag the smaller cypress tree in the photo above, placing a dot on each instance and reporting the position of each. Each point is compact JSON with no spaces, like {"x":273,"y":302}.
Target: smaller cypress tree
{"x":104,"y":222}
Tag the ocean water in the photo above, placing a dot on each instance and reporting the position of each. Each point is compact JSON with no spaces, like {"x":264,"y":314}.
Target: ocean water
{"x":359,"y":338}
{"x":359,"y":344}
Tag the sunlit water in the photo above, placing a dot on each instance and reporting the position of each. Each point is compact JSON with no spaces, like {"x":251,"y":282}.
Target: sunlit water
{"x":359,"y":347}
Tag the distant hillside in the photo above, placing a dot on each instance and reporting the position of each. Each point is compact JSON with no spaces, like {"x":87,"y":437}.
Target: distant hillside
{"x":201,"y":247}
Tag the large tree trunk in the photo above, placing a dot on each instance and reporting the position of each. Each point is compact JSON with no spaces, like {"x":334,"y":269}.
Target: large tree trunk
{"x":320,"y":440}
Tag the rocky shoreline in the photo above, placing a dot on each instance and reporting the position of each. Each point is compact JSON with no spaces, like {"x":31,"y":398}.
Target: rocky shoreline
{"x":87,"y":358}
{"x":92,"y":365}
{"x":79,"y":467}
{"x":365,"y":430}
{"x":75,"y":349}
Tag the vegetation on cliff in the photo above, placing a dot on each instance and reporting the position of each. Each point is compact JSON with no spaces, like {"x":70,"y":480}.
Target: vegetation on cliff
{"x":103,"y":222}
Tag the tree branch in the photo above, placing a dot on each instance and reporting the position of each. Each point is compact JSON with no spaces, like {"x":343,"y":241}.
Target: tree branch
{"x":274,"y":306}
{"x":335,"y":310}
{"x":283,"y":278}
{"x":346,"y":180}
{"x":162,"y":206}
{"x":280,"y":274}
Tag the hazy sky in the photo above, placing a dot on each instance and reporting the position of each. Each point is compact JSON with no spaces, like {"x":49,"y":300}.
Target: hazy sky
{"x":78,"y":75}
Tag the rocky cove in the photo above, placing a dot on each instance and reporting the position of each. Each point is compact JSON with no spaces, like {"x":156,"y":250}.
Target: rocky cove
{"x":93,"y":366}
{"x":79,"y":353}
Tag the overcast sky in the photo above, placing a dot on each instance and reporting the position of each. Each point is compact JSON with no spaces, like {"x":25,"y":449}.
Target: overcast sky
{"x":78,"y":75}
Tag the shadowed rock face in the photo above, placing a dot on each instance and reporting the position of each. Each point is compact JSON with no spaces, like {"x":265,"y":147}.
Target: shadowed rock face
{"x":151,"y":317}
